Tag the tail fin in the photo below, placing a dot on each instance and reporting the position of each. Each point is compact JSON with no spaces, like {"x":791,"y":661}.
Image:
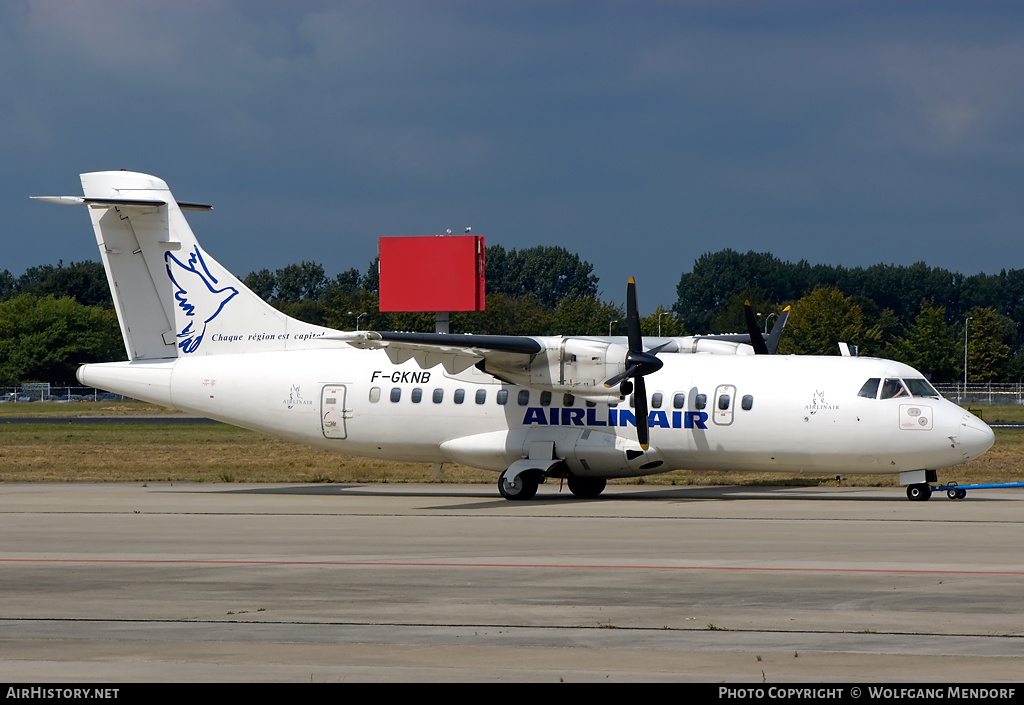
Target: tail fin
{"x":172,"y":299}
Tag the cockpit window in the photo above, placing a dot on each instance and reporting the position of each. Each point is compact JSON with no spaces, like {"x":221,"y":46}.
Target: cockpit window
{"x":892,"y":388}
{"x":870,"y":388}
{"x":920,"y":387}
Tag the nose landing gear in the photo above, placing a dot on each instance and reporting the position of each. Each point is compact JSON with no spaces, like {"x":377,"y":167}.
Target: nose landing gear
{"x":919,"y":492}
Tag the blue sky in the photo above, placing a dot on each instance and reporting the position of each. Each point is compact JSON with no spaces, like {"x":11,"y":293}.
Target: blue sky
{"x":637,"y":134}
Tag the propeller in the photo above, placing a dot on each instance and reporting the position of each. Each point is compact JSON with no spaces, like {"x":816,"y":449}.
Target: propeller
{"x":756,"y":339}
{"x":639,"y":363}
{"x":776,"y":334}
{"x":760,"y":344}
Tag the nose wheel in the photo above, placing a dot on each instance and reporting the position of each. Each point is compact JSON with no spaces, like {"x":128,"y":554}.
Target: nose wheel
{"x":920,"y":492}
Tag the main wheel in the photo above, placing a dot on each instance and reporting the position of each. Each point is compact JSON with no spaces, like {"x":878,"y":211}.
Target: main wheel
{"x":523,"y":487}
{"x":586,"y":487}
{"x":920,"y":492}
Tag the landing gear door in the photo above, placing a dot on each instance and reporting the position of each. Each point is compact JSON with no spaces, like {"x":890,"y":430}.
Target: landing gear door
{"x":333,"y":412}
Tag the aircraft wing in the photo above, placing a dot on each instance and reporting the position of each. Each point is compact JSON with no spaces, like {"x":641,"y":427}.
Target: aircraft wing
{"x":454,"y":352}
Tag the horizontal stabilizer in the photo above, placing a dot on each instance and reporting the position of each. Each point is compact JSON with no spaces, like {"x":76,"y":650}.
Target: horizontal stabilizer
{"x":122,"y":202}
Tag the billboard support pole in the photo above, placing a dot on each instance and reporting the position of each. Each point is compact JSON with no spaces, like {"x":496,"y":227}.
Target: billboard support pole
{"x":441,"y":322}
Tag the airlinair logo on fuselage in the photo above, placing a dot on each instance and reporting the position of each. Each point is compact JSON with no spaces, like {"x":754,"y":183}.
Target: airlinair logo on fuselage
{"x":295,"y":398}
{"x":569,"y":416}
{"x":196,"y":294}
{"x":818,"y":403}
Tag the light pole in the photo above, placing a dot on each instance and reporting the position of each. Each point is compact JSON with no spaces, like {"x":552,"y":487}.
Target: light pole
{"x":966,"y":324}
{"x":766,"y":319}
{"x":358,"y":316}
{"x":663,"y":313}
{"x":610,"y":322}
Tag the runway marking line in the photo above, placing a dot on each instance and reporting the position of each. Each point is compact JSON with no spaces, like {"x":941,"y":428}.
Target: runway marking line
{"x":548,"y":566}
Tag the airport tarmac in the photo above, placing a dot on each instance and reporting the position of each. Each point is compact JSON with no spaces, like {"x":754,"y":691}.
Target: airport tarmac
{"x":446,"y":583}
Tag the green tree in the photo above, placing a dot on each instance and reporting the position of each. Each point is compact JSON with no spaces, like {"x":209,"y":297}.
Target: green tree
{"x":819,"y":321}
{"x":86,"y":282}
{"x":549,"y":274}
{"x":47,"y":338}
{"x":300,"y":282}
{"x":988,"y":348}
{"x":717,"y":278}
{"x":505,"y":315}
{"x":290,"y":284}
{"x":890,"y":331}
{"x":262,"y":283}
{"x":583,"y":315}
{"x":732,"y":317}
{"x":8,"y":285}
{"x":931,"y":345}
{"x":662,"y":321}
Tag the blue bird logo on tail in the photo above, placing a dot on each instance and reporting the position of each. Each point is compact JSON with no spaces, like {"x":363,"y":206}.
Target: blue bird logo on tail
{"x":196,"y":294}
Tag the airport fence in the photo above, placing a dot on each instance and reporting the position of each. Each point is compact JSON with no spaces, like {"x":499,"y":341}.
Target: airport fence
{"x":983,"y":392}
{"x":46,"y":392}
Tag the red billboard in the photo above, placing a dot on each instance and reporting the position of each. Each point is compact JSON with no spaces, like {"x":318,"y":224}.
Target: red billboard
{"x":433,"y":273}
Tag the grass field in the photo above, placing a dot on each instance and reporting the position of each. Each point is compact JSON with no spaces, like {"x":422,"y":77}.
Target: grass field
{"x":219,"y":453}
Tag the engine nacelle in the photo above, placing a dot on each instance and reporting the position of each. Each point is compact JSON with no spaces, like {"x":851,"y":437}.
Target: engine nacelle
{"x":578,"y":366}
{"x":581,"y":366}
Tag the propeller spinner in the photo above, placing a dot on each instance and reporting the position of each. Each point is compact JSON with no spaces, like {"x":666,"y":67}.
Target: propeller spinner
{"x":639,"y":363}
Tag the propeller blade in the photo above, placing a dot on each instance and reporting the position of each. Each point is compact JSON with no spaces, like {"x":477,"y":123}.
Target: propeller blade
{"x":636,"y":343}
{"x":638,"y":363}
{"x":621,"y":376}
{"x":776,"y":334}
{"x":640,"y":402}
{"x":756,"y":339}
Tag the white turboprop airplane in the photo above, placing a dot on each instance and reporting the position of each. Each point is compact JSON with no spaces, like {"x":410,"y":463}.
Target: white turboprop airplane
{"x":529,"y":408}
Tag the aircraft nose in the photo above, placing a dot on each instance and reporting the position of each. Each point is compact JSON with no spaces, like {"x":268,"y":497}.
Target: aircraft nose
{"x":975,"y":436}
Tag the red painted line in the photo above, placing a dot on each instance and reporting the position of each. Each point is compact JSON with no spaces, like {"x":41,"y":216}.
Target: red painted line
{"x":538,"y":566}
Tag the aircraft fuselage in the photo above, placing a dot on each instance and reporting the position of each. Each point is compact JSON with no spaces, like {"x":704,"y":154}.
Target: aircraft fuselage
{"x":764,"y":413}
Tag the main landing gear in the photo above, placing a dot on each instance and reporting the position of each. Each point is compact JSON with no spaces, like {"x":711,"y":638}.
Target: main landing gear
{"x":525,"y":484}
{"x":586,"y":487}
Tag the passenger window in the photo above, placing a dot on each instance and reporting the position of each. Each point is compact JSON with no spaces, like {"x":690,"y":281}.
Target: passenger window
{"x":568,"y":400}
{"x":747,"y":402}
{"x":656,"y":400}
{"x":678,"y":400}
{"x":524,"y":397}
{"x":700,"y":401}
{"x":417,"y":395}
{"x":396,"y":393}
{"x":870,"y":388}
{"x":723,"y":402}
{"x":374,"y":395}
{"x":591,"y":404}
{"x":481,"y":396}
{"x":438,"y":395}
{"x":502,"y":397}
{"x":632,"y":402}
{"x":545,"y":398}
{"x":460,"y":396}
{"x":893,"y":388}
